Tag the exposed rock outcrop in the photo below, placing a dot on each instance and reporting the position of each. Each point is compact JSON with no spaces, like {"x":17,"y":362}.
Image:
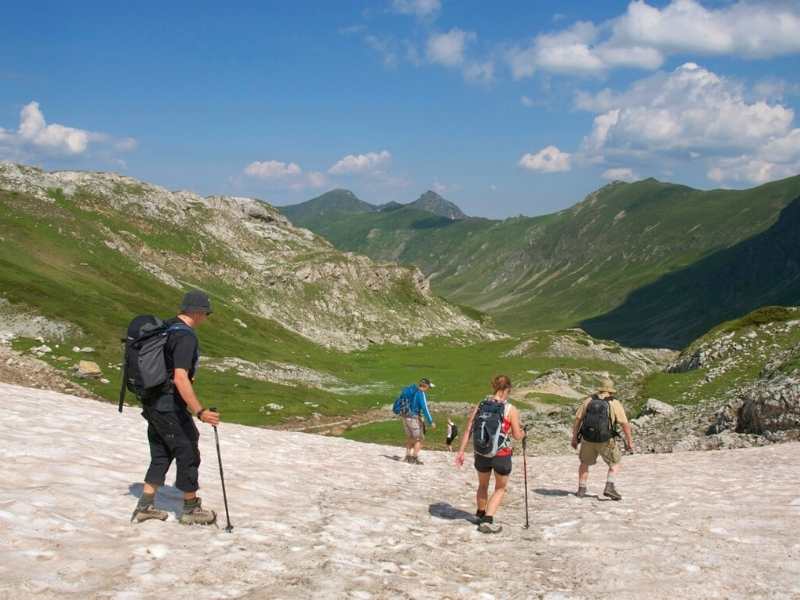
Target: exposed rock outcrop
{"x":274,"y":269}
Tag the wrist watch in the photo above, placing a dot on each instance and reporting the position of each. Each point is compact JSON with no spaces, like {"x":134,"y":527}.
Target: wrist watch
{"x":200,"y":413}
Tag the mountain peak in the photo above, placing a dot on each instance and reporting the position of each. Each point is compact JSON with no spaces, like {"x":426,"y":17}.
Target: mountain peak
{"x":432,"y":202}
{"x":334,"y":202}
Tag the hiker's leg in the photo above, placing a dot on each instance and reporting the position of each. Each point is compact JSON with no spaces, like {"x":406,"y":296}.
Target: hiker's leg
{"x":417,"y":447}
{"x":613,"y":458}
{"x":160,"y":455}
{"x":187,"y":457}
{"x":482,"y":496}
{"x":583,"y":475}
{"x":500,"y":483}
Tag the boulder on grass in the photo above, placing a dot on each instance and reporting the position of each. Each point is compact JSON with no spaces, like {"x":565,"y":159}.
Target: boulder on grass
{"x":89,"y":370}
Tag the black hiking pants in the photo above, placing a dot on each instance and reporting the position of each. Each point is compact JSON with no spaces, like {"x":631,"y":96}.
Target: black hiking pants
{"x":172,"y":436}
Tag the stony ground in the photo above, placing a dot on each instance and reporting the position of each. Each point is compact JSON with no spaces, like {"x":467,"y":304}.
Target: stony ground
{"x":328,"y":518}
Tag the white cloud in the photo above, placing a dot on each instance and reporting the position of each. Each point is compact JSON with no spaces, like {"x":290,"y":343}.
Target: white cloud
{"x":527,"y":102}
{"x":284,"y":174}
{"x":418,"y":8}
{"x":479,"y":72}
{"x":34,"y":136}
{"x":621,"y":174}
{"x":272,"y":169}
{"x":448,"y":49}
{"x":547,"y":160}
{"x":749,"y":29}
{"x":692,"y":113}
{"x":361,"y":163}
{"x":645,"y":35}
{"x":690,"y":108}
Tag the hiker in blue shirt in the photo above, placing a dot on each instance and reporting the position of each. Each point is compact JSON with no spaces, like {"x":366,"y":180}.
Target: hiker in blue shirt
{"x":412,"y":406}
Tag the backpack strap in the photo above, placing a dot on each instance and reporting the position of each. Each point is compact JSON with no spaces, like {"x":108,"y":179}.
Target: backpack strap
{"x":122,"y":388}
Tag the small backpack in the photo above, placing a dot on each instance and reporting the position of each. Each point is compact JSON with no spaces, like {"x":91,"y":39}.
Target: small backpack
{"x":596,"y":425}
{"x":402,"y":405}
{"x":144,"y":367}
{"x":488,"y":437}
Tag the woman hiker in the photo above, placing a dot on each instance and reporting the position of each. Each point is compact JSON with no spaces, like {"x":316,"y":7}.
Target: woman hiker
{"x":493,"y":408}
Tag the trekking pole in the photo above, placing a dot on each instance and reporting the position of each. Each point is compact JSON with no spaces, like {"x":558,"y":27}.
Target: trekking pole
{"x":525,"y":472}
{"x":229,"y":527}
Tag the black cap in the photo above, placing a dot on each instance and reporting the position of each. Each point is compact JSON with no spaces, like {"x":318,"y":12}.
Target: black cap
{"x":196,"y":301}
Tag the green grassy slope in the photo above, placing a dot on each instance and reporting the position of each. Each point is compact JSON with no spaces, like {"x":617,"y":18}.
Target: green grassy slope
{"x":762,"y":270}
{"x":560,"y":269}
{"x":58,"y":260}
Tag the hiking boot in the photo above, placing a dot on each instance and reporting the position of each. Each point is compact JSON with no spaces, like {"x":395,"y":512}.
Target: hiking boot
{"x":147,"y":512}
{"x":195,"y":514}
{"x":611,"y":492}
{"x":486,"y":527}
{"x":581,"y":493}
{"x":416,"y":461}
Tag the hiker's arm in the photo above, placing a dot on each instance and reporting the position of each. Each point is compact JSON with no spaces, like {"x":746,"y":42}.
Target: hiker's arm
{"x":575,"y":429}
{"x":516,"y":427}
{"x":425,"y":412}
{"x":185,"y":389}
{"x":626,"y":429}
{"x":465,"y":438}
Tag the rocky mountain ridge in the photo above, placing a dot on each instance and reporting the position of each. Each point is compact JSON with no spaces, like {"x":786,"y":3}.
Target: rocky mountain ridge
{"x":269,"y":267}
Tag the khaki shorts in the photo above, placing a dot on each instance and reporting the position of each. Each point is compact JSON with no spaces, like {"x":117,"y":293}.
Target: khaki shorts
{"x":608,"y":451}
{"x":413,"y":427}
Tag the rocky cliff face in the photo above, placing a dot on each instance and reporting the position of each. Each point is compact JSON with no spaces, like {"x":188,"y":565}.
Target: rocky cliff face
{"x":738,"y":386}
{"x":245,"y":247}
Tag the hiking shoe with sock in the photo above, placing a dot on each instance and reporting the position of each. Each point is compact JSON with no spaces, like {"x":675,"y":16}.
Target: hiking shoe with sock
{"x":611,"y":492}
{"x":147,"y":512}
{"x":195,"y":514}
{"x":581,"y":491}
{"x":489,"y":527}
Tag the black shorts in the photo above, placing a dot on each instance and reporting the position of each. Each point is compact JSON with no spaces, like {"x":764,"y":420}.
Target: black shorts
{"x":500,"y":464}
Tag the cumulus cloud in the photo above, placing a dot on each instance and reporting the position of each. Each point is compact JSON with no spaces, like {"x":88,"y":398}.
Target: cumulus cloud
{"x":749,"y":29}
{"x":620,"y":173}
{"x":689,"y":108}
{"x":271,"y":169}
{"x":547,"y":160}
{"x":645,"y":35}
{"x":361,"y":163}
{"x":448,"y":49}
{"x":37,"y":137}
{"x":419,"y":8}
{"x":286,"y":174}
{"x":693,"y":112}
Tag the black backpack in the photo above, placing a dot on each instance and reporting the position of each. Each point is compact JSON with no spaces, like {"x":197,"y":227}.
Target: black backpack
{"x":596,"y":425}
{"x":144,"y":367}
{"x":487,"y":428}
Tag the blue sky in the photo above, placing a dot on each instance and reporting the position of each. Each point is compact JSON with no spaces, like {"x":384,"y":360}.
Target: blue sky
{"x":505,"y":108}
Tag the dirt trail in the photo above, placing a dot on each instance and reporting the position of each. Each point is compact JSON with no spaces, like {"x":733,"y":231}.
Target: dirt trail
{"x":324,"y":517}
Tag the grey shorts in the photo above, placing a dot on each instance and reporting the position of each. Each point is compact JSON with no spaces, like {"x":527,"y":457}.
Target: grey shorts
{"x":501,"y":465}
{"x":413,"y":427}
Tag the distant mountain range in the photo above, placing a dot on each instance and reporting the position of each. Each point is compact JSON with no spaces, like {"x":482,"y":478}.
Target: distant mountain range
{"x":647,"y":263}
{"x":341,"y":204}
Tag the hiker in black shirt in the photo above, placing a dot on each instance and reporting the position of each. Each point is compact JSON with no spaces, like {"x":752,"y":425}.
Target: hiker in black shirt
{"x":171,"y":432}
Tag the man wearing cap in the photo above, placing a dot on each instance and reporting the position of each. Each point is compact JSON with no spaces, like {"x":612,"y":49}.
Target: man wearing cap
{"x":171,"y":431}
{"x":412,"y":406}
{"x":595,"y":431}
